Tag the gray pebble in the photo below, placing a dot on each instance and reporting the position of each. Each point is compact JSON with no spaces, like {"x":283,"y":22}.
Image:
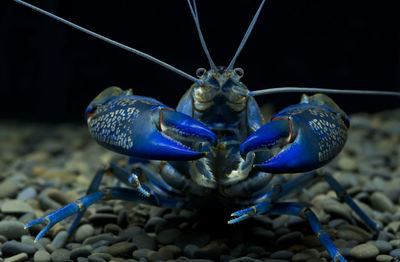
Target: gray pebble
{"x":16,"y":207}
{"x":245,"y":259}
{"x":130,"y":233}
{"x":83,"y":232}
{"x":94,"y":258}
{"x":143,"y":252}
{"x":384,"y":258}
{"x":212,"y":250}
{"x":82,"y":259}
{"x":305,"y":255}
{"x":46,"y":202}
{"x":122,"y":249}
{"x":17,"y":258}
{"x":144,"y":241}
{"x":60,"y":239}
{"x":364,"y":251}
{"x":175,"y":250}
{"x":383,"y":246}
{"x":199,"y":239}
{"x":199,"y":260}
{"x":103,"y":255}
{"x":381,"y":202}
{"x":282,"y":254}
{"x":11,"y":248}
{"x":12,"y":229}
{"x":153,"y":223}
{"x":26,"y":194}
{"x":93,"y":239}
{"x":289,"y":238}
{"x":8,"y":189}
{"x":190,"y":250}
{"x":41,"y":256}
{"x":163,"y":255}
{"x":112,"y":228}
{"x":103,"y":219}
{"x":80,"y":252}
{"x":395,"y":253}
{"x":168,"y":236}
{"x":60,"y":255}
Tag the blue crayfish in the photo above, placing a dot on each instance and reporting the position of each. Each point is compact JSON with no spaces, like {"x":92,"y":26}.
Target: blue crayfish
{"x":215,"y":143}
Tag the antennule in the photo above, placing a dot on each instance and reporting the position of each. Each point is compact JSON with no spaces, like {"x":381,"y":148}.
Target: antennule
{"x":203,"y":42}
{"x":246,"y":36}
{"x":319,"y":90}
{"x":110,"y":41}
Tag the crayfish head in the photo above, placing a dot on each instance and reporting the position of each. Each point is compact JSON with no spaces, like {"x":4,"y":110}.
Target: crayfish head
{"x":105,"y":96}
{"x":222,"y":85}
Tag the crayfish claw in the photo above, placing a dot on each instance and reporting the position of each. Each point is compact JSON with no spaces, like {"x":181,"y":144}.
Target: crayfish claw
{"x":144,"y":127}
{"x":308,"y":136}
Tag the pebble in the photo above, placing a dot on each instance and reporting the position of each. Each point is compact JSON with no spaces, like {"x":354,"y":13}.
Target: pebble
{"x":395,"y":253}
{"x":103,"y":219}
{"x":282,"y":254}
{"x":168,"y":236}
{"x":383,"y":246}
{"x":26,"y":194}
{"x":112,"y":228}
{"x":245,"y":259}
{"x":381,"y":202}
{"x":122,"y":249}
{"x":16,"y":207}
{"x":41,"y":256}
{"x":384,"y":258}
{"x":94,"y":258}
{"x":17,"y":258}
{"x":143,"y":240}
{"x":93,"y":239}
{"x":139,"y":253}
{"x":11,"y":248}
{"x":12,"y":229}
{"x":305,"y":255}
{"x":364,"y":251}
{"x":8,"y":189}
{"x":60,"y":239}
{"x":83,"y":232}
{"x":80,"y":252}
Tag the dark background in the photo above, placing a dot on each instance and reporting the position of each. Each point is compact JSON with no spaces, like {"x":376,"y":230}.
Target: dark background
{"x":50,"y":72}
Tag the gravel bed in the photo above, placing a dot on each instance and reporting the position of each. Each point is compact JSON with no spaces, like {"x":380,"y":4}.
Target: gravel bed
{"x":43,"y":167}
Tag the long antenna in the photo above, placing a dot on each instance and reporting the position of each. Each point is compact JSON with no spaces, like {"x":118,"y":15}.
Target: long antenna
{"x":115,"y":43}
{"x":203,"y":42}
{"x":279,"y":90}
{"x":246,"y":36}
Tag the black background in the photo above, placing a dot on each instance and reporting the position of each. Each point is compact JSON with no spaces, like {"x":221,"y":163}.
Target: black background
{"x":50,"y":72}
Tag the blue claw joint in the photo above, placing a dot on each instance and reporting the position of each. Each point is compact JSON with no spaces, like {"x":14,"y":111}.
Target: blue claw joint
{"x":143,"y":127}
{"x":308,"y":135}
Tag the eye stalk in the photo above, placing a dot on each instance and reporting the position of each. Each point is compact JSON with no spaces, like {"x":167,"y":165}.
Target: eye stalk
{"x":239,"y":72}
{"x":200,"y":72}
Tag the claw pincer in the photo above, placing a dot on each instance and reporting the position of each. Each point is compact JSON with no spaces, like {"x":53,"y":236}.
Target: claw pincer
{"x":144,"y":127}
{"x":309,"y":134}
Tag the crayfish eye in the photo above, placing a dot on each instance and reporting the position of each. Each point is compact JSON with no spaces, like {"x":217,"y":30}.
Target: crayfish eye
{"x":200,"y":72}
{"x":238,"y":71}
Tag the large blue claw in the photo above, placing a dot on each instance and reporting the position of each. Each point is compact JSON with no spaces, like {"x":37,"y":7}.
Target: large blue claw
{"x":308,"y":135}
{"x":143,"y":127}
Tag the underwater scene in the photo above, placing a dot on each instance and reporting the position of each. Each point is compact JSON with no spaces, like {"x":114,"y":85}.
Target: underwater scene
{"x":279,"y":145}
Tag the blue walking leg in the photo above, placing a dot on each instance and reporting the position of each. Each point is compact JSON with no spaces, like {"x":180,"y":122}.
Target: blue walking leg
{"x":306,"y":213}
{"x":75,"y":207}
{"x":345,"y":197}
{"x":276,"y":191}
